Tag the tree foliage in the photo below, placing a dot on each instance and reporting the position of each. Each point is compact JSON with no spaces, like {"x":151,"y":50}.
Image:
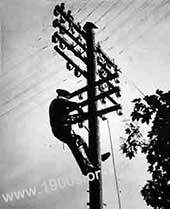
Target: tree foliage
{"x":153,"y":110}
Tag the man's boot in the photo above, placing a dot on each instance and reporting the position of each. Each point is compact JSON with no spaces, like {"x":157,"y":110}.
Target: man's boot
{"x":88,"y":166}
{"x":78,"y":150}
{"x":105,"y":156}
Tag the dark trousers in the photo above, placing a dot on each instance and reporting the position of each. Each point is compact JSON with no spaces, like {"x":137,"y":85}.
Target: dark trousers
{"x":76,"y":144}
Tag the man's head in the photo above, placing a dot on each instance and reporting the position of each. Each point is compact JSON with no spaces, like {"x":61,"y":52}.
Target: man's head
{"x":63,"y":93}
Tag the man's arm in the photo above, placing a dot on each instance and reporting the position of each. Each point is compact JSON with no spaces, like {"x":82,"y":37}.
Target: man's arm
{"x":76,"y":106}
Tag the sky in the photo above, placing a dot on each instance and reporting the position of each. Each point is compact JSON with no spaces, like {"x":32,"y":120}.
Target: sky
{"x":136,"y":34}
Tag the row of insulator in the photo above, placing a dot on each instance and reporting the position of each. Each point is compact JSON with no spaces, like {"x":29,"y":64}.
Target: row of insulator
{"x":106,"y":65}
{"x":70,"y":67}
{"x":71,"y":46}
{"x":105,"y":74}
{"x":105,"y":87}
{"x":105,"y":69}
{"x":70,"y":19}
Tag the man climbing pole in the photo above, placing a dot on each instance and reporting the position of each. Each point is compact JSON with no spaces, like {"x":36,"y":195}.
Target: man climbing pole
{"x":59,"y":111}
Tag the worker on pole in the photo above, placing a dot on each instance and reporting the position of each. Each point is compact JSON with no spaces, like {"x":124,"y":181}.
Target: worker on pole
{"x":59,"y":111}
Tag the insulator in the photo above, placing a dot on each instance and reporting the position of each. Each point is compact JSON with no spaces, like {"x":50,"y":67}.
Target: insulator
{"x":77,"y":73}
{"x":53,"y":39}
{"x":55,"y":23}
{"x":80,"y":124}
{"x":84,"y":46}
{"x":71,"y":18}
{"x":61,"y":31}
{"x":118,"y":94}
{"x":116,"y":74}
{"x":100,"y":88}
{"x":69,"y":66}
{"x":62,"y":6}
{"x":111,"y":87}
{"x":103,"y":117}
{"x":100,"y":72}
{"x":62,"y":45}
{"x":103,"y":86}
{"x":116,"y":80}
{"x":103,"y":73}
{"x":62,"y":20}
{"x":117,"y":89}
{"x":101,"y":59}
{"x":73,"y":45}
{"x":71,"y":28}
{"x":69,"y":13}
{"x":116,"y":68}
{"x":80,"y":96}
{"x":70,"y":21}
{"x":80,"y":51}
{"x":79,"y":39}
{"x":56,"y":9}
{"x":78,"y":25}
{"x":119,"y":112}
{"x":103,"y":101}
{"x":109,"y":65}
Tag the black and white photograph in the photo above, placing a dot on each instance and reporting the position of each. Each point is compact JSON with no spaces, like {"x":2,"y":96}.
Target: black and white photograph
{"x":85,"y":104}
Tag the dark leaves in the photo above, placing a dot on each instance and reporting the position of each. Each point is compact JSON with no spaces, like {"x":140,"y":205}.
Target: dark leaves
{"x":155,"y":108}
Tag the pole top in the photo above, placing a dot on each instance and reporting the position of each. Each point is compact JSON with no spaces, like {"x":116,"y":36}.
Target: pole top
{"x":89,"y":25}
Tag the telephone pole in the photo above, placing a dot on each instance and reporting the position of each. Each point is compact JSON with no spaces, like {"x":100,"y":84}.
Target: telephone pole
{"x":102,"y":83}
{"x":95,"y":186}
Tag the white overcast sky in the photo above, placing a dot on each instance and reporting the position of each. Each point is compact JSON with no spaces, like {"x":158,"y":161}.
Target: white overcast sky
{"x":135,"y":33}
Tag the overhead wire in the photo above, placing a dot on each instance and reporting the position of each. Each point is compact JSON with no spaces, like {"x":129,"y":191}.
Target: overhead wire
{"x":8,"y":59}
{"x":114,"y":164}
{"x":14,"y":67}
{"x":108,"y":123}
{"x":115,"y":16}
{"x":132,"y":14}
{"x":113,"y":153}
{"x":29,"y":99}
{"x":81,"y":8}
{"x":44,"y":78}
{"x":146,"y":30}
{"x":42,"y":49}
{"x":19,"y":84}
{"x":90,"y":13}
{"x":149,"y":15}
{"x":107,"y":11}
{"x":28,"y":77}
{"x":37,"y":52}
{"x":102,"y":16}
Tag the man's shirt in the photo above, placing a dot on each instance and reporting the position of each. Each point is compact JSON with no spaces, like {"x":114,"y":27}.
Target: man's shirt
{"x":59,"y":110}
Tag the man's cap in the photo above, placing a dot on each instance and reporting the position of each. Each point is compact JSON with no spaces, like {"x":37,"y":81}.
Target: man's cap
{"x":63,"y":93}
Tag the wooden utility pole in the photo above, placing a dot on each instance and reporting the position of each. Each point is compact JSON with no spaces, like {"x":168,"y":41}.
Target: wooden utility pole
{"x":95,"y":186}
{"x":71,"y":37}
